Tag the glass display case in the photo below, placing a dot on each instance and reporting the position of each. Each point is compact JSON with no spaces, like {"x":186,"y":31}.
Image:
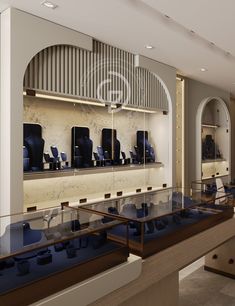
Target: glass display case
{"x":215,"y":188}
{"x":160,"y":219}
{"x":43,"y":252}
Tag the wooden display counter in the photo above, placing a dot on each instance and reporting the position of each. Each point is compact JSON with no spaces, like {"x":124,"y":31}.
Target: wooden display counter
{"x":158,"y":283}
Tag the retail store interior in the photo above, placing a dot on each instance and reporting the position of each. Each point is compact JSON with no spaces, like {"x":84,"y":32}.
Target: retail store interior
{"x":117,"y":149}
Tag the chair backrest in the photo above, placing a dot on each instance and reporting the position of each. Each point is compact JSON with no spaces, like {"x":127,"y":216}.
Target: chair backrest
{"x":220,"y":191}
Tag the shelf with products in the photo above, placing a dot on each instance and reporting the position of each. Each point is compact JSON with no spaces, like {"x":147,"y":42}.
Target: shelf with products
{"x":86,"y":171}
{"x":215,"y":140}
{"x":87,"y":150}
{"x":216,"y":160}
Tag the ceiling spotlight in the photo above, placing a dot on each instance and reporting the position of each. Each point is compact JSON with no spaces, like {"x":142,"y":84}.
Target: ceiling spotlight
{"x":49,"y":4}
{"x":203,"y":69}
{"x":149,"y":47}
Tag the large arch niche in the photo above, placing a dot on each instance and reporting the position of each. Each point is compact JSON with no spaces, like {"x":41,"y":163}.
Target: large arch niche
{"x":159,"y":125}
{"x":213,"y":119}
{"x":167,"y":77}
{"x":23,"y":36}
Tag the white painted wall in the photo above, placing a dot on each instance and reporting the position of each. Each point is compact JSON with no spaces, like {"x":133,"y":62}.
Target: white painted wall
{"x":22,"y":36}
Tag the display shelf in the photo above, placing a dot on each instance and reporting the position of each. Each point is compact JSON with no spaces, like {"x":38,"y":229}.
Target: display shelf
{"x":47,"y":174}
{"x":87,"y":171}
{"x":92,"y":180}
{"x":216,"y":160}
{"x":213,"y":159}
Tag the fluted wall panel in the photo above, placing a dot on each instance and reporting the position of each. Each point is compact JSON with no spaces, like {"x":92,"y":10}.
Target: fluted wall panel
{"x":106,"y":74}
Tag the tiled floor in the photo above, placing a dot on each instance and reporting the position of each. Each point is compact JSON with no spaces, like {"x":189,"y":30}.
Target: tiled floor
{"x":202,"y":288}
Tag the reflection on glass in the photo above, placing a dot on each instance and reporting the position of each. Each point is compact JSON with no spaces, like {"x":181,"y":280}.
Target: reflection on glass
{"x":37,"y":245}
{"x":160,"y":219}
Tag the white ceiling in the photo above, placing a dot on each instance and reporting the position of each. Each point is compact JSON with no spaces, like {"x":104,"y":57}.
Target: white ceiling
{"x":131,"y":24}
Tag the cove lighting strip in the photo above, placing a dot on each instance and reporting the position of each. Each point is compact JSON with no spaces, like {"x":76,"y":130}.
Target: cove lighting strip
{"x":66,"y":99}
{"x":86,"y":102}
{"x":210,"y":126}
{"x":139,"y":110}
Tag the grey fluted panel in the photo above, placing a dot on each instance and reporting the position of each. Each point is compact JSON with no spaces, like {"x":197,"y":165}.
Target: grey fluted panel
{"x":70,"y":70}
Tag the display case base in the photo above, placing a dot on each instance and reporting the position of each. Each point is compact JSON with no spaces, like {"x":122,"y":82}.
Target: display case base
{"x":174,"y":234}
{"x":40,"y":289}
{"x":221,"y":260}
{"x":223,"y":273}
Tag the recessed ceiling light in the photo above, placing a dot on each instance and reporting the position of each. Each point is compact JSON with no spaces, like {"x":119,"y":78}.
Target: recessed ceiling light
{"x":203,"y":69}
{"x":49,"y":4}
{"x":149,"y":47}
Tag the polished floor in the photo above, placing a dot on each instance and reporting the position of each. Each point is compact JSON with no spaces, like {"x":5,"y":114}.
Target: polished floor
{"x":202,"y":288}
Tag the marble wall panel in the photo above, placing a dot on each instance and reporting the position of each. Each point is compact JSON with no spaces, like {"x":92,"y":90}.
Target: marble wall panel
{"x":57,"y":118}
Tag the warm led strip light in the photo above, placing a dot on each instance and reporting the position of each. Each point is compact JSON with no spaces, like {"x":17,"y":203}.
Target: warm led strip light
{"x":66,"y":99}
{"x":139,"y":110}
{"x":210,"y":126}
{"x":87,"y":102}
{"x":38,"y":95}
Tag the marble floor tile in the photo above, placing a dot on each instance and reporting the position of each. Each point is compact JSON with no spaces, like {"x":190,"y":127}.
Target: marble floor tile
{"x":229,"y":289}
{"x":202,"y":288}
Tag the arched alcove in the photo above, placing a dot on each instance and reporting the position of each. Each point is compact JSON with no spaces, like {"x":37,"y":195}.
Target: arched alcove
{"x":14,"y":60}
{"x":149,"y":109}
{"x":213,"y":139}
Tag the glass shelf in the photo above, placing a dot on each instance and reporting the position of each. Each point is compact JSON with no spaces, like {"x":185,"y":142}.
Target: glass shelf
{"x":86,"y":171}
{"x":216,"y":160}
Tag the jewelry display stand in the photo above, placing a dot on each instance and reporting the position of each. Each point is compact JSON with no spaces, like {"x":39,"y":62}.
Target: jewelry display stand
{"x":34,"y":144}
